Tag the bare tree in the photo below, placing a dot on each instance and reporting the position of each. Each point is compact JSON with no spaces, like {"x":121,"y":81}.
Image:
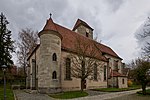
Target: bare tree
{"x":27,"y":40}
{"x":85,"y":61}
{"x":146,"y":36}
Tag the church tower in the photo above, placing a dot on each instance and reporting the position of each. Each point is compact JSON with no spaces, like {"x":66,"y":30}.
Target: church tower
{"x":83,"y":28}
{"x":50,"y":53}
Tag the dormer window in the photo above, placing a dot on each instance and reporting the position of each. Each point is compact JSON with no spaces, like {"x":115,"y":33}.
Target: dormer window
{"x":87,"y":34}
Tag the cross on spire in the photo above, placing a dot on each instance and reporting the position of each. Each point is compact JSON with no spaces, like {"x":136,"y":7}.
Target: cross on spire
{"x":50,"y":15}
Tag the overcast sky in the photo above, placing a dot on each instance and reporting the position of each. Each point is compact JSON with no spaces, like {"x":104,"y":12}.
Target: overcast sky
{"x":115,"y":22}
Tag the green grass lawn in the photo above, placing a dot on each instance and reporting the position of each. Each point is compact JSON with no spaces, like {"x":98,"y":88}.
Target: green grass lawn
{"x":9,"y":92}
{"x":69,"y":95}
{"x":147,"y":92}
{"x":118,"y":89}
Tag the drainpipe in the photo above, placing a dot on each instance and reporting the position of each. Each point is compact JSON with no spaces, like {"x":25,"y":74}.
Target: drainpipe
{"x":112,"y":78}
{"x":108,"y":71}
{"x":60,"y":82}
{"x":35,"y":72}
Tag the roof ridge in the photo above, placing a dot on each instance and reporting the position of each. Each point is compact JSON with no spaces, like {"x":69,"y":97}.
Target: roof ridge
{"x":79,"y":21}
{"x":77,"y":33}
{"x":68,"y":40}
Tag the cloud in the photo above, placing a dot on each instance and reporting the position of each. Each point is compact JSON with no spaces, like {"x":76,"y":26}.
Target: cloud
{"x":114,"y":5}
{"x":24,"y":13}
{"x":114,"y":21}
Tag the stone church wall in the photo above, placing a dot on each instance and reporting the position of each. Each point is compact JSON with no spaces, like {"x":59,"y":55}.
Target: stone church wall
{"x":121,"y":83}
{"x":32,"y":71}
{"x":74,"y":84}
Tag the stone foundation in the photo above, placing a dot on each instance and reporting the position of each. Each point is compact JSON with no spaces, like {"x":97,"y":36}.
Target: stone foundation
{"x":49,"y":90}
{"x":96,"y":87}
{"x":70,"y":88}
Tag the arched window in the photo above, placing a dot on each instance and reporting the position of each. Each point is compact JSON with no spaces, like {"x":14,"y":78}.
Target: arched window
{"x":105,"y":69}
{"x":54,"y":57}
{"x":83,"y":68}
{"x":95,"y":71}
{"x":122,"y":81}
{"x":68,"y":69}
{"x":54,"y":75}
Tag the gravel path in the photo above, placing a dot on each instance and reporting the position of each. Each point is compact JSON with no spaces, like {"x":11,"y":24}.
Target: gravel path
{"x":108,"y":95}
{"x":132,"y":97}
{"x":25,"y":95}
{"x":22,"y":95}
{"x":93,"y":95}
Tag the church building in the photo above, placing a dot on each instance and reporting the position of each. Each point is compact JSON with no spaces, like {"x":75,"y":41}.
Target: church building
{"x":50,"y":65}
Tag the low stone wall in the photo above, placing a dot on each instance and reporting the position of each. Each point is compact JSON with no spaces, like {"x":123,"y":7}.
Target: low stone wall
{"x":14,"y":87}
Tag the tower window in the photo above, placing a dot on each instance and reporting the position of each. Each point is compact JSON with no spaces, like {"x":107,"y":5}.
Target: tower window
{"x":54,"y":75}
{"x":54,"y":57}
{"x":87,"y":34}
{"x":122,"y":81}
{"x":68,"y":69}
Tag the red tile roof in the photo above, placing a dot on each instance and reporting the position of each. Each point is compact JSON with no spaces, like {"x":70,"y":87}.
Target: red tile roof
{"x":79,"y":22}
{"x":107,"y":50}
{"x":50,"y":25}
{"x":69,"y":39}
{"x":116,"y":74}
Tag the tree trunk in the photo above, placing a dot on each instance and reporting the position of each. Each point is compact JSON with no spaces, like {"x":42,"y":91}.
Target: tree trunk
{"x":24,"y":68}
{"x":25,"y":79}
{"x":82,"y":84}
{"x":143,"y":88}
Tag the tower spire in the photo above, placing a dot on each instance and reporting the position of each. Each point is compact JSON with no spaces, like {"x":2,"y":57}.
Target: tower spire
{"x":50,"y":15}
